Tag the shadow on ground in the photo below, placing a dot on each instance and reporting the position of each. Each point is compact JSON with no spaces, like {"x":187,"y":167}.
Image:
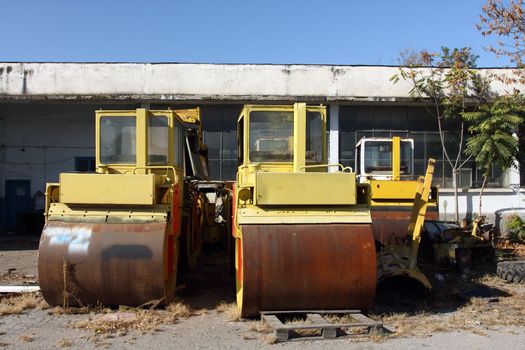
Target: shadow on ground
{"x":451,"y":290}
{"x":209,"y":284}
{"x":9,"y":242}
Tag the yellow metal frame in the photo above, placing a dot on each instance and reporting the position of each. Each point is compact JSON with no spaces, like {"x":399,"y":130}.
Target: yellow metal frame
{"x":301,"y":108}
{"x":401,"y":260}
{"x":141,"y":142}
{"x":396,"y":158}
{"x":419,"y":211}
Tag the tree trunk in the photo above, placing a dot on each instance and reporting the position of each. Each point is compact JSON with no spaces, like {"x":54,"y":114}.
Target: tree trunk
{"x":456,"y":199}
{"x":481,"y":193}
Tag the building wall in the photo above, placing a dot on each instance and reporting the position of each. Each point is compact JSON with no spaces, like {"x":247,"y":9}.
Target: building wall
{"x":46,"y":112}
{"x":223,"y":82}
{"x":40,"y":140}
{"x":497,"y":204}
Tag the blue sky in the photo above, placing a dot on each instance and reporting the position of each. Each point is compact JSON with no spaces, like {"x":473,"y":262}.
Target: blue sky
{"x":235,"y":31}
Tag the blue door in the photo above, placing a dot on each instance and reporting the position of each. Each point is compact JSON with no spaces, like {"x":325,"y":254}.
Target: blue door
{"x":18,"y":200}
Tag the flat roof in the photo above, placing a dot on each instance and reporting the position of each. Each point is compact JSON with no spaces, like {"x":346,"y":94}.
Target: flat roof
{"x":209,"y":82}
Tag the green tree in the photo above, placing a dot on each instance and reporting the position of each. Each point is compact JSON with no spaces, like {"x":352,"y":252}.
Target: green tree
{"x":448,"y":85}
{"x":493,"y":139}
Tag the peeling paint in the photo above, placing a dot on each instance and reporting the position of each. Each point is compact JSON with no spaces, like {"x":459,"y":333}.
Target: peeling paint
{"x":206,"y":82}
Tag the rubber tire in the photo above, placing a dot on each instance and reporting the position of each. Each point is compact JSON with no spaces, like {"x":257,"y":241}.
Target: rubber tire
{"x":511,"y":271}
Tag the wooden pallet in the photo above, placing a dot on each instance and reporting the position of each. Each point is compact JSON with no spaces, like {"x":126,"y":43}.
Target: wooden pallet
{"x":315,"y":321}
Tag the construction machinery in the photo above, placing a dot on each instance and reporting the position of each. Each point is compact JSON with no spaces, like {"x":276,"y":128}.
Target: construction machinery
{"x":112,"y":237}
{"x":400,"y":202}
{"x":400,"y":259}
{"x":466,"y":248}
{"x":387,"y":165}
{"x":303,"y":234}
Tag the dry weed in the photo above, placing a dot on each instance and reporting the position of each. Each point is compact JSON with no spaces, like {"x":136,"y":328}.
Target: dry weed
{"x":82,"y":310}
{"x":333,"y":318}
{"x":476,"y":316}
{"x":260,"y":327}
{"x":120,"y":322}
{"x":26,"y":338}
{"x":179,"y":310}
{"x":270,"y":339}
{"x":248,"y":336}
{"x":231,"y":311}
{"x":16,"y":303}
{"x":65,"y":343}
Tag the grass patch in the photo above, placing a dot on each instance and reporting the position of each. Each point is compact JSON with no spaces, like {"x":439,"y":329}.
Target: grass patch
{"x":17,"y":303}
{"x":133,"y":319}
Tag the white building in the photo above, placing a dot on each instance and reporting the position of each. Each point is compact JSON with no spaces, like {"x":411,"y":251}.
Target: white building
{"x":47,"y":120}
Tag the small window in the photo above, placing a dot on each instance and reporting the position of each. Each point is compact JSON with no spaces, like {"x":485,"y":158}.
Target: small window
{"x":406,"y":158}
{"x":158,"y":140}
{"x":179,"y":139}
{"x":271,"y":136}
{"x":85,"y":164}
{"x":240,"y":142}
{"x":194,"y":163}
{"x":118,"y":140}
{"x":378,"y":157}
{"x":314,"y":138}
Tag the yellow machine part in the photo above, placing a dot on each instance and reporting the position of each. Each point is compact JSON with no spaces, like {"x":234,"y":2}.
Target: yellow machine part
{"x":107,"y":189}
{"x":289,"y":188}
{"x":401,"y":260}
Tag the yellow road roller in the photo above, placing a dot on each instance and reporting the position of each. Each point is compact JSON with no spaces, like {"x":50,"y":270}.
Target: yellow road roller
{"x":111,"y":237}
{"x":302,"y":227}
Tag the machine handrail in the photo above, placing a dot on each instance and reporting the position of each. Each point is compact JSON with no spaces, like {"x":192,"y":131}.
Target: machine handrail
{"x":343,"y":168}
{"x":167,"y":167}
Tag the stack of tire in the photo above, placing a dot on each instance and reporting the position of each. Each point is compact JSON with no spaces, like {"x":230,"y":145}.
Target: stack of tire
{"x":512,"y":271}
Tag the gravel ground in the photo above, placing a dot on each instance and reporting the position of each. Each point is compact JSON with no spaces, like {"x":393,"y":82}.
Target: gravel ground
{"x":39,"y":330}
{"x":468,"y":321}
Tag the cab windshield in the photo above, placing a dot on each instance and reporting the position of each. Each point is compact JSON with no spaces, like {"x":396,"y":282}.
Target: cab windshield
{"x":271,"y":136}
{"x":118,"y":140}
{"x":378,"y":157}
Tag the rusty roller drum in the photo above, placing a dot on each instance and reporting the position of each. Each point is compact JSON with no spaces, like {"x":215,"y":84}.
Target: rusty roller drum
{"x":109,"y":264}
{"x":305,"y":267}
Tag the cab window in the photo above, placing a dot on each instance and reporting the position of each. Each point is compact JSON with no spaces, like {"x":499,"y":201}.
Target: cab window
{"x":118,"y":140}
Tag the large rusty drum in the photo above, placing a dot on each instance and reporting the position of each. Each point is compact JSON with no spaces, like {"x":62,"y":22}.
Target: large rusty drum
{"x":109,"y":264}
{"x":305,"y":266}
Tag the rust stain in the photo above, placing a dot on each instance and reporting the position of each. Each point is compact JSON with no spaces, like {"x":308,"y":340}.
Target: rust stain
{"x":110,"y":264}
{"x":299,"y":267}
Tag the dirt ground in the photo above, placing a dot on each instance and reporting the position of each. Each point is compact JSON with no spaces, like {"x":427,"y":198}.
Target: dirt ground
{"x":478,"y":311}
